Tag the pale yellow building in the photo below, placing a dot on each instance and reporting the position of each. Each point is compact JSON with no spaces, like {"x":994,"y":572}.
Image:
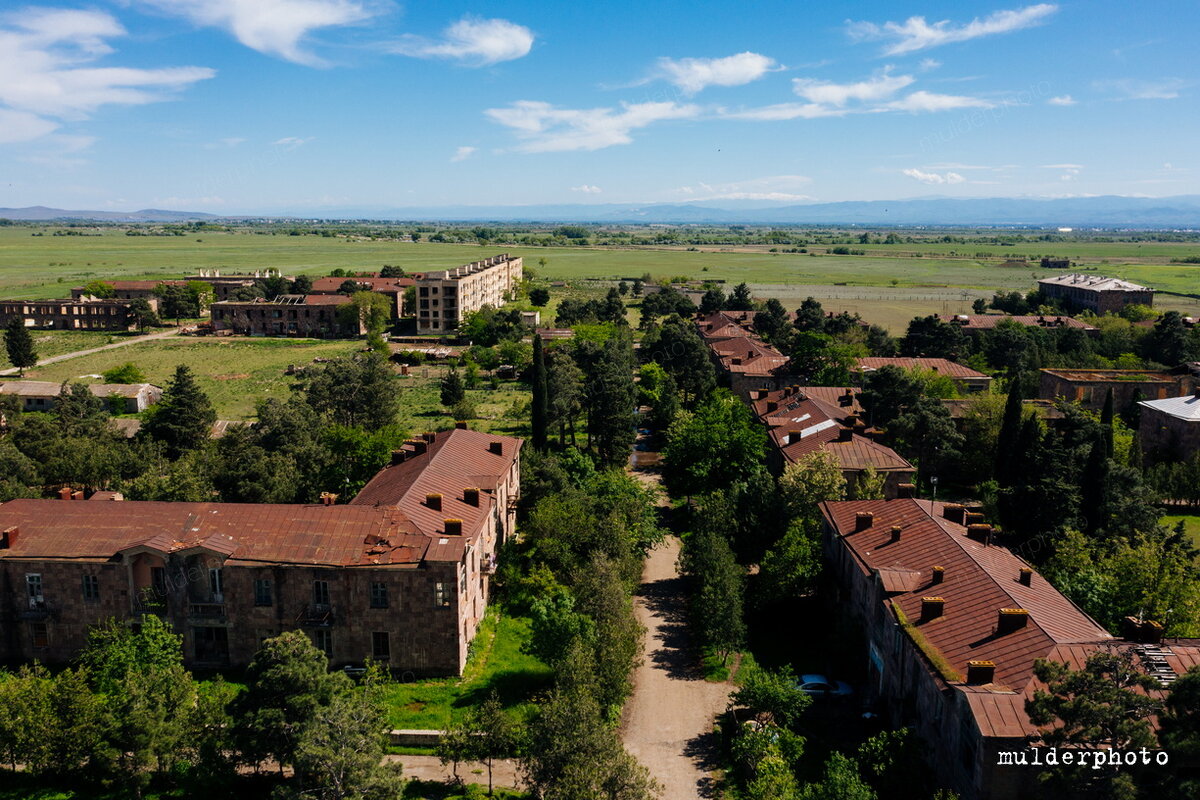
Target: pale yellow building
{"x":445,"y":296}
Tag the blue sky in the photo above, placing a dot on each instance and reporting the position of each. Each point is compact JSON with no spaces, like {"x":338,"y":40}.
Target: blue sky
{"x":299,"y":106}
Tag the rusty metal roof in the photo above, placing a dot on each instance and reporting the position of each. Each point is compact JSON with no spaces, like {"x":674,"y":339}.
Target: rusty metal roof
{"x":940,"y":365}
{"x":983,"y":322}
{"x":374,"y":284}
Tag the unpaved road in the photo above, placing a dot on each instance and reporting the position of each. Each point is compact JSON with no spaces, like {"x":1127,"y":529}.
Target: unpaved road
{"x":150,"y":337}
{"x":668,"y":721}
{"x":429,"y":768}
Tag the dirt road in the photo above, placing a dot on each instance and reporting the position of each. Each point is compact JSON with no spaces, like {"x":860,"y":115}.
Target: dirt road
{"x":429,"y":768}
{"x":122,"y":343}
{"x":667,"y":723}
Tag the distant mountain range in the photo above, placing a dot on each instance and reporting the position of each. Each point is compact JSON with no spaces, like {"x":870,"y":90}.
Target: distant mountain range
{"x":1182,"y":211}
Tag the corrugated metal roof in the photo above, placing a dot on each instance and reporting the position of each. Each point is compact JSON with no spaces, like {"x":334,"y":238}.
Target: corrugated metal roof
{"x":1185,"y":408}
{"x":941,"y":365}
{"x":1096,"y":283}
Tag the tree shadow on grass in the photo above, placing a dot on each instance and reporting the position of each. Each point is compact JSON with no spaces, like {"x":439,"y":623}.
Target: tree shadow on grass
{"x":512,"y":687}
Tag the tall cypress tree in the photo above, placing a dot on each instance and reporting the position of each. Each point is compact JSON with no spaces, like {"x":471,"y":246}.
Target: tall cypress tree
{"x":19,"y":344}
{"x":541,"y":403}
{"x":1010,"y":431}
{"x":183,"y":417}
{"x":1106,"y":419}
{"x":1093,"y":487}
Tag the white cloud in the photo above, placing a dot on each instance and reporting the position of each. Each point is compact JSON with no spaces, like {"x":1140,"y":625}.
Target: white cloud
{"x":46,"y":70}
{"x":462,"y":154}
{"x":879,"y":87}
{"x":1062,"y":100}
{"x":772,"y":187}
{"x":474,"y":41}
{"x":1132,"y":89}
{"x":928,"y":101}
{"x":273,"y":27}
{"x":934,"y":178}
{"x":929,"y":63}
{"x":916,"y":34}
{"x":694,"y":74}
{"x":586,"y":189}
{"x":291,"y":142}
{"x":784,"y":111}
{"x":545,"y":128}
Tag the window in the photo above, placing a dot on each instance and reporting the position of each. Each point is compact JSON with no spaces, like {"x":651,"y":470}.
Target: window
{"x":216,"y":584}
{"x":441,"y":595}
{"x":40,"y":633}
{"x":321,"y":593}
{"x":325,"y":642}
{"x":462,"y":575}
{"x":158,"y":580}
{"x":262,"y":593}
{"x":33,"y":589}
{"x":91,"y":589}
{"x":381,"y":646}
{"x":379,"y":595}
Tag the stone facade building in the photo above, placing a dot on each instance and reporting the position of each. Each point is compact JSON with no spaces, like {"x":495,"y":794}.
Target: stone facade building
{"x":444,"y":297}
{"x":122,"y":398}
{"x":1095,"y":292}
{"x":1169,"y":429}
{"x":400,"y":575}
{"x":1088,"y":387}
{"x":302,"y":315}
{"x":747,"y":362}
{"x":80,"y":314}
{"x":225,"y":285}
{"x":965,"y":378}
{"x":391,"y":288}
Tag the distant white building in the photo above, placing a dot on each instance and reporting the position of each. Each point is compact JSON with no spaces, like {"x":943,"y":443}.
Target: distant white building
{"x":128,"y":398}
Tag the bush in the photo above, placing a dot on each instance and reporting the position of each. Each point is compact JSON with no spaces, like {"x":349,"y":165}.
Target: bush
{"x":465,"y":409}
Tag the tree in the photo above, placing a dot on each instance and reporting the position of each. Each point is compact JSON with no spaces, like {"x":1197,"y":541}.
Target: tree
{"x":143,"y":313}
{"x":368,"y":311}
{"x":348,"y":287}
{"x":303,"y":284}
{"x":1106,"y":420}
{"x":740,"y":299}
{"x":610,"y":396}
{"x":392,"y":270}
{"x":894,"y":763}
{"x":539,"y":296}
{"x":1098,"y":707}
{"x":711,"y":447}
{"x":792,"y":567}
{"x":183,"y":418}
{"x":1180,"y":722}
{"x":933,"y":337}
{"x":288,"y":684}
{"x":776,"y":692}
{"x":540,"y":407}
{"x":718,"y":579}
{"x":19,"y":344}
{"x":177,"y":301}
{"x":772,"y":321}
{"x":125,"y":373}
{"x":713,"y":300}
{"x":926,"y":434}
{"x":484,"y":733}
{"x":100,"y":289}
{"x":809,"y":481}
{"x":1010,"y":430}
{"x":452,"y":389}
{"x":357,"y":392}
{"x":679,"y":349}
{"x":564,"y":387}
{"x":841,"y":781}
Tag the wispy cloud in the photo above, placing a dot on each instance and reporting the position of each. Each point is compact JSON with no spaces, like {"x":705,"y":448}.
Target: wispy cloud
{"x":587,"y":189}
{"x":934,"y":178}
{"x":916,"y":33}
{"x":878,"y":87}
{"x":779,"y":112}
{"x":545,"y":128}
{"x":274,"y":27}
{"x":291,"y":142}
{"x":923,"y":101}
{"x":694,"y":74}
{"x":1062,"y":100}
{"x":47,"y":72}
{"x":780,"y":188}
{"x":226,"y":143}
{"x":462,"y":154}
{"x":472,"y":41}
{"x":1134,"y":89}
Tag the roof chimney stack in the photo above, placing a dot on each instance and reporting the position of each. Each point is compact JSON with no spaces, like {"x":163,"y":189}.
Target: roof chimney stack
{"x":932,"y":608}
{"x":980,"y":533}
{"x":64,"y":493}
{"x":1011,"y":619}
{"x":845,"y":435}
{"x":471,"y":496}
{"x":955,"y":512}
{"x":974,"y":518}
{"x":419,"y":446}
{"x":77,"y":495}
{"x":460,"y":425}
{"x":863,"y":520}
{"x":434,"y":501}
{"x":496,"y":448}
{"x":328,"y":498}
{"x":1026,"y":576}
{"x":980,"y":672}
{"x":453,"y":527}
{"x":895,"y":533}
{"x":8,"y":537}
{"x":906,"y":490}
{"x":939,"y":575}
{"x":398,"y":457}
{"x":772,"y":406}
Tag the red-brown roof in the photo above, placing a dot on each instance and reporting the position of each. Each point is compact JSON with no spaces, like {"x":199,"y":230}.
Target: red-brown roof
{"x":129,"y":286}
{"x":941,"y":365}
{"x":983,"y":322}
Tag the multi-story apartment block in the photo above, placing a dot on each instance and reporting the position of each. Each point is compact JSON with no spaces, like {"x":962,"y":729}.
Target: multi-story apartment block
{"x":82,"y":314}
{"x":444,"y":297}
{"x":400,"y":575}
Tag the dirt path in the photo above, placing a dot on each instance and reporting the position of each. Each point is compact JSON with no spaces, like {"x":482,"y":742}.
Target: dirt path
{"x":429,"y":768}
{"x":668,"y":721}
{"x":123,"y":343}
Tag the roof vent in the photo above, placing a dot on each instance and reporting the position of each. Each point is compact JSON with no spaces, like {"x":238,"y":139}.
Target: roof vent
{"x":932,"y":608}
{"x":1011,"y":619}
{"x":434,"y":501}
{"x":981,"y":672}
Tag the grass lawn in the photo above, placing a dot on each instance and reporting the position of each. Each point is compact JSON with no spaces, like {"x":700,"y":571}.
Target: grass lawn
{"x":496,"y":664}
{"x":56,"y":343}
{"x":1191,"y":524}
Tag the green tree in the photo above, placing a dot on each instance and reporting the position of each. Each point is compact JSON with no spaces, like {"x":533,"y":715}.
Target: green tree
{"x":792,"y":567}
{"x":452,"y":389}
{"x":1010,"y":431}
{"x":740,"y":299}
{"x":809,"y":481}
{"x":564,"y":387}
{"x":609,"y":397}
{"x":183,"y":418}
{"x":776,"y":692}
{"x":98,"y":288}
{"x":718,"y":580}
{"x":19,"y":345}
{"x":841,"y":781}
{"x":677,"y":347}
{"x":125,"y":373}
{"x":540,"y":407}
{"x":484,"y":733}
{"x":713,"y":300}
{"x":539,"y":296}
{"x":143,"y":313}
{"x":357,"y":392}
{"x":710,"y":447}
{"x":1180,"y":726}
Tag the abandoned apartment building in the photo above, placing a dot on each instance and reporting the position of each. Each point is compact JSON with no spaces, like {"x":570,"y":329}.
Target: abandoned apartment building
{"x":399,"y":574}
{"x":445,"y":297}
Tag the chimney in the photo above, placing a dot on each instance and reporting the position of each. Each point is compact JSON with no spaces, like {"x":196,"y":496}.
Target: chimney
{"x":471,"y":495}
{"x":1151,"y":632}
{"x":460,"y":425}
{"x":496,"y":448}
{"x":78,"y":495}
{"x":453,"y":527}
{"x":429,"y":436}
{"x":8,"y":537}
{"x":328,"y":498}
{"x":955,"y":512}
{"x":980,"y":672}
{"x":845,"y":434}
{"x":1026,"y":576}
{"x":973,"y":518}
{"x":1011,"y":619}
{"x":846,"y":399}
{"x":398,"y":457}
{"x":932,"y":608}
{"x":980,"y":533}
{"x":863,"y":520}
{"x":906,"y":490}
{"x":434,"y":501}
{"x":419,"y":446}
{"x":64,"y":493}
{"x":895,"y":533}
{"x":939,"y":575}
{"x":772,"y":406}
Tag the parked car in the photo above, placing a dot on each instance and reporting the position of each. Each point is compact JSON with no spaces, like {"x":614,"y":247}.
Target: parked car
{"x":821,"y":686}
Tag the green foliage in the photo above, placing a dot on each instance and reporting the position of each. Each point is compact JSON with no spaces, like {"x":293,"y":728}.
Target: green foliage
{"x":541,"y":403}
{"x":792,"y":567}
{"x":126,"y":373}
{"x":895,"y":764}
{"x":452,"y":390}
{"x":19,"y":345}
{"x":357,"y":392}
{"x":539,"y":296}
{"x":775,"y":692}
{"x":490,"y":326}
{"x":183,"y":418}
{"x":608,"y":396}
{"x":841,"y":781}
{"x":712,"y":446}
{"x":101,"y":289}
{"x":677,"y":347}
{"x":718,"y":580}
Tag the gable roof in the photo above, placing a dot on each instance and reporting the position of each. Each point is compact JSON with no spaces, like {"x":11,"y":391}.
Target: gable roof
{"x":940,"y":365}
{"x":1186,"y":408}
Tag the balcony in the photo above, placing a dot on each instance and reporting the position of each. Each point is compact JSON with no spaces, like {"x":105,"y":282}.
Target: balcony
{"x":316,"y":615}
{"x":38,"y":610}
{"x":210,"y":612}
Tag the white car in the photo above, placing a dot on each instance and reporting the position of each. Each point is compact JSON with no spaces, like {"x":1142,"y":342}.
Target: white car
{"x":824,"y":687}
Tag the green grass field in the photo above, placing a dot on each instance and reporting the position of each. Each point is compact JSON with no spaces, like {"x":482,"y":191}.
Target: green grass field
{"x":56,"y":343}
{"x":496,"y":664}
{"x":1191,"y":524}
